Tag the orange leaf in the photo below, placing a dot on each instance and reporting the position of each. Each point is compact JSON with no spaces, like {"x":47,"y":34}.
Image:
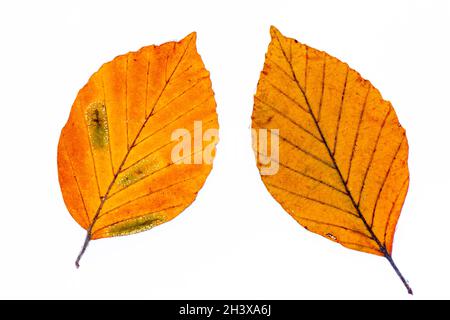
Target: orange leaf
{"x":116,"y":164}
{"x":340,"y":168}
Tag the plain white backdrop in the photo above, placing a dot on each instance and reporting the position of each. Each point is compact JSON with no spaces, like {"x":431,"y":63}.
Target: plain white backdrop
{"x":235,"y":241}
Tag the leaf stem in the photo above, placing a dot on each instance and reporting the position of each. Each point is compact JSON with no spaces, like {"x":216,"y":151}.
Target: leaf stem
{"x":397,"y":271}
{"x":83,"y":249}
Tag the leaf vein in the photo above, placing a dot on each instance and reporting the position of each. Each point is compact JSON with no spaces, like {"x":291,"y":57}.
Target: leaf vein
{"x":314,"y":200}
{"x":336,"y":226}
{"x":146,"y":195}
{"x":76,"y":182}
{"x":141,"y":216}
{"x":340,"y":113}
{"x":284,"y":115}
{"x":405,"y":183}
{"x":357,"y":135}
{"x":384,"y":181}
{"x":372,"y":156}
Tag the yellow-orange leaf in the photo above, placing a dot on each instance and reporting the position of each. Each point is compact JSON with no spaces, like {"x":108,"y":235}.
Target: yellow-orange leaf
{"x":115,"y":162}
{"x":342,"y":163}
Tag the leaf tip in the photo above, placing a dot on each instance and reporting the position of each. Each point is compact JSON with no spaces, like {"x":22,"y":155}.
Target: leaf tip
{"x":191,"y":37}
{"x":274,"y":32}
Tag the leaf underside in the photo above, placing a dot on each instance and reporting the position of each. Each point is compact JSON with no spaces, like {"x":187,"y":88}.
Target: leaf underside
{"x":343,"y":155}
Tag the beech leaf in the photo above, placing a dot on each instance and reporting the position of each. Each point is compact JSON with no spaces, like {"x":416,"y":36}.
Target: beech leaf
{"x":116,"y":152}
{"x":339,"y":166}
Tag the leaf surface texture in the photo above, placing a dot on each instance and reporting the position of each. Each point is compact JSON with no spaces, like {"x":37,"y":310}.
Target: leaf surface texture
{"x":114,"y":154}
{"x":343,"y":155}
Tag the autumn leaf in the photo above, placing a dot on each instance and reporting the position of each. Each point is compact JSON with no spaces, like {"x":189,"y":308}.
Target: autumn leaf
{"x":337,"y":154}
{"x":132,"y":154}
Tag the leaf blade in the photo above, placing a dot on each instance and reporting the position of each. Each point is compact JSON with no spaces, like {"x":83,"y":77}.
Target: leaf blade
{"x":118,"y":141}
{"x":360,"y":132}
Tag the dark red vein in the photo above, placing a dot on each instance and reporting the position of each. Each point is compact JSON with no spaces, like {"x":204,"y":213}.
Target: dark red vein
{"x":138,"y":217}
{"x":286,"y":95}
{"x":147,"y":195}
{"x":182,"y":73}
{"x":152,"y":173}
{"x":126,"y":102}
{"x":363,"y":184}
{"x":147,"y":155}
{"x":306,"y":66}
{"x":172,"y":121}
{"x":310,"y":177}
{"x":340,"y":113}
{"x":146,"y":84}
{"x":280,"y":68}
{"x":384,"y":181}
{"x":319,"y":112}
{"x":336,"y":226}
{"x":349,"y":243}
{"x":167,"y":64}
{"x":168,"y":103}
{"x":290,"y":49}
{"x":312,"y":199}
{"x":76,"y":181}
{"x":405,"y":183}
{"x":357,"y":135}
{"x":304,"y":174}
{"x":304,"y":151}
{"x":159,"y":148}
{"x":284,"y":115}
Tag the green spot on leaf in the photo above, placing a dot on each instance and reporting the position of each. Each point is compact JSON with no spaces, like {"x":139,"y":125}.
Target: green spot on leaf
{"x":133,"y":175}
{"x":97,"y":122}
{"x":135,"y":225}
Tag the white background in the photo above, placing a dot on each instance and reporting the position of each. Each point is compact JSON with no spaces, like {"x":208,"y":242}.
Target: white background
{"x":235,"y":241}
